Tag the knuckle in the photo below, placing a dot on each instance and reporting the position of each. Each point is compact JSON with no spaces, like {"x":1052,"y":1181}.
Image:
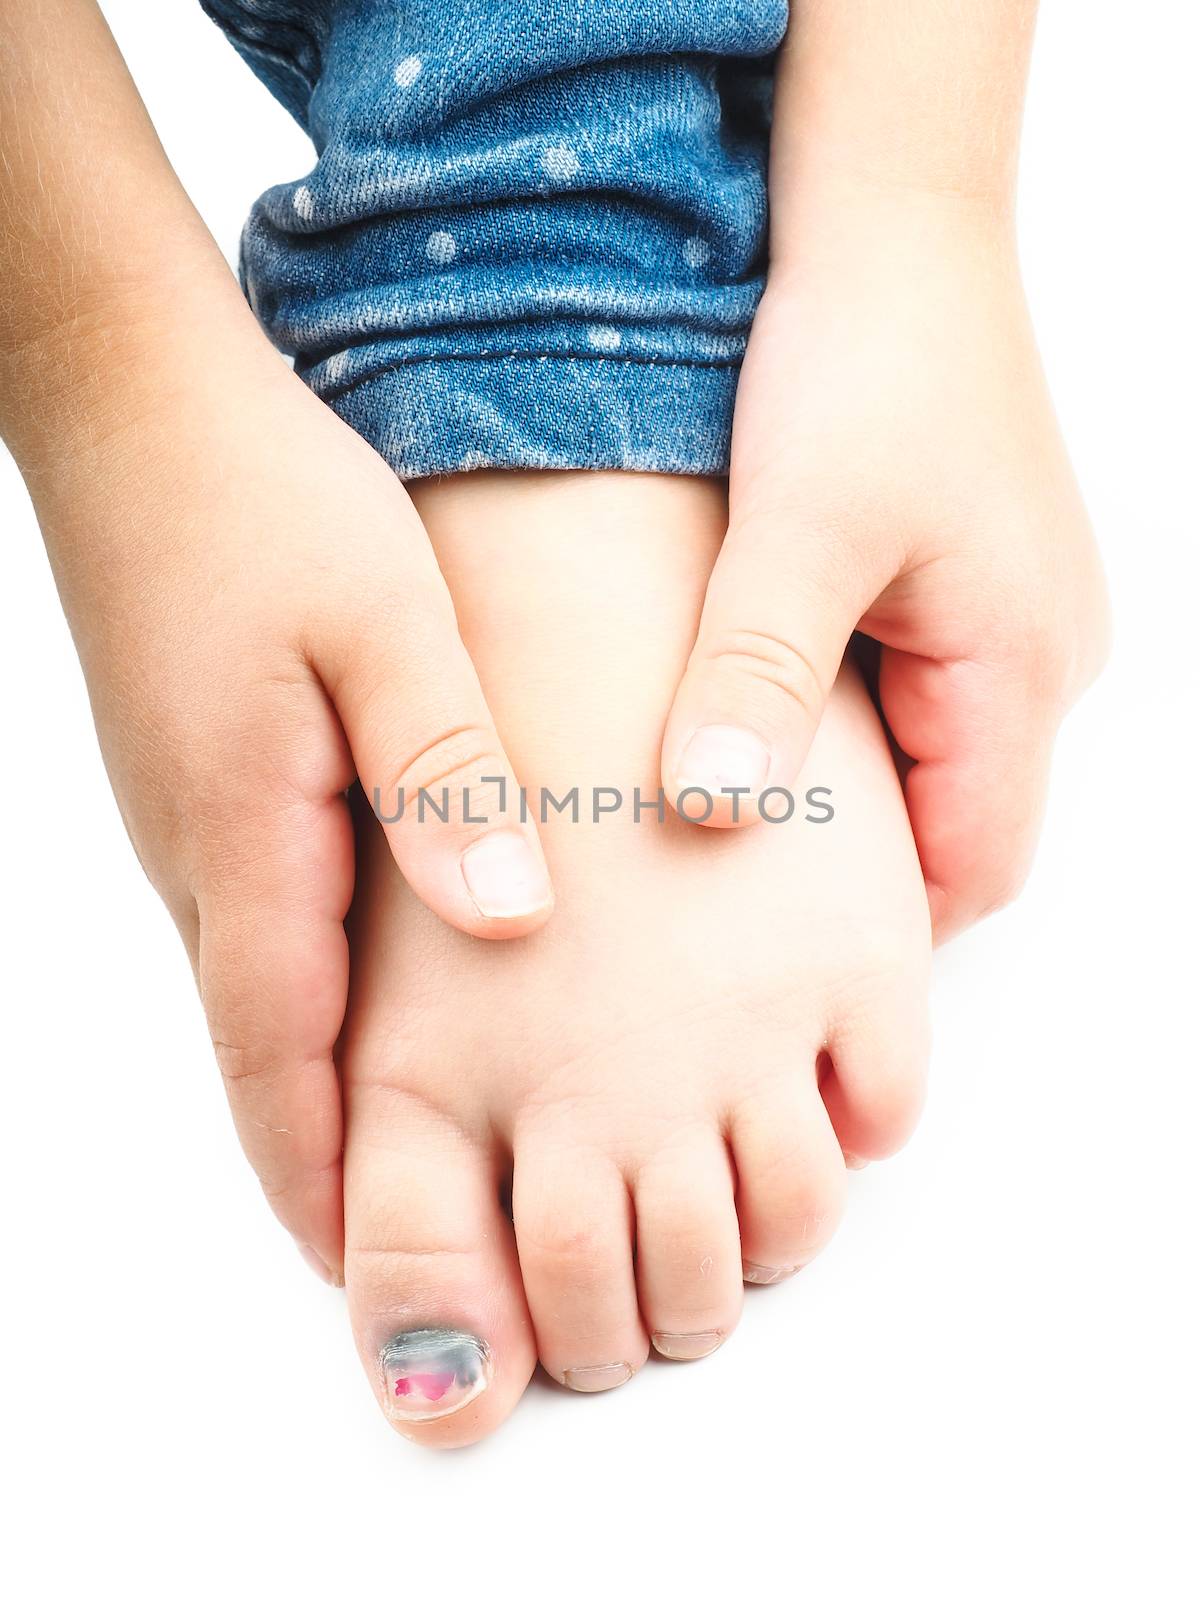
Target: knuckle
{"x":558,"y":1244}
{"x":377,"y":1259}
{"x":766,"y":660}
{"x":213,"y":794}
{"x":456,"y":760}
{"x":243,"y":1064}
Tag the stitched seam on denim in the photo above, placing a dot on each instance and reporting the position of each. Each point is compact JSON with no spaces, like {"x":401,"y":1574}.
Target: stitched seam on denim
{"x":717,"y":364}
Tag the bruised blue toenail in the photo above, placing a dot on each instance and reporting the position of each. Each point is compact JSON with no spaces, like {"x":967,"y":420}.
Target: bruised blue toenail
{"x":432,"y":1372}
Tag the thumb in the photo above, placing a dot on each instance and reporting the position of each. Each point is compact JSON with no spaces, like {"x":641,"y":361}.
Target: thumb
{"x":430,"y":760}
{"x":780,"y":609}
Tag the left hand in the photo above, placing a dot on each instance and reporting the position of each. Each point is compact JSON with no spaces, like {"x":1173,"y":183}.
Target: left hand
{"x":897,"y":469}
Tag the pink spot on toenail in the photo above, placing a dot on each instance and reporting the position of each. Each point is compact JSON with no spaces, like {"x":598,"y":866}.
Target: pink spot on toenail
{"x":433,"y":1385}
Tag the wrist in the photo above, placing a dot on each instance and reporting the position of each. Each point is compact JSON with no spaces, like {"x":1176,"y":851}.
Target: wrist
{"x":841,"y":229}
{"x":129,"y":357}
{"x":902,"y":102}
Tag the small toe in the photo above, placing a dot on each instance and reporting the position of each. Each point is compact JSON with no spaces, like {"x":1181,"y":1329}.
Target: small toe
{"x":688,"y":1255}
{"x":791,"y":1179}
{"x":574,"y":1228}
{"x":874,"y":1085}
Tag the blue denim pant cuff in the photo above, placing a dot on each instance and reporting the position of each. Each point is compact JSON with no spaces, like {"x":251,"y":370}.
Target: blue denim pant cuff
{"x":545,"y":411}
{"x":536,"y":231}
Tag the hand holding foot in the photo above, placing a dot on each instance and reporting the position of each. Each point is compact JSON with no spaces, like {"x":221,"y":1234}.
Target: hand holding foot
{"x":577,"y":1147}
{"x":256,"y":606}
{"x":896,"y":464}
{"x":260,"y":618}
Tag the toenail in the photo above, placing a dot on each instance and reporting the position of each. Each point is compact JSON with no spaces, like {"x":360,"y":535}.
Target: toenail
{"x":687,"y":1346}
{"x":591,"y":1380}
{"x":504,"y":876}
{"x":753,"y":1273}
{"x":432,"y":1372}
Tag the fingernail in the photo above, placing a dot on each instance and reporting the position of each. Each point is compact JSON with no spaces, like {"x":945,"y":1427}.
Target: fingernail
{"x":591,"y":1380}
{"x":717,"y":758}
{"x":687,"y":1346}
{"x":753,"y":1273}
{"x":856,"y":1163}
{"x":432,"y":1372}
{"x":325,"y":1273}
{"x":504,"y":876}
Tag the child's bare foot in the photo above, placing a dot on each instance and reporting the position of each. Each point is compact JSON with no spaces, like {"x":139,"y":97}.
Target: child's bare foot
{"x":668,"y":1073}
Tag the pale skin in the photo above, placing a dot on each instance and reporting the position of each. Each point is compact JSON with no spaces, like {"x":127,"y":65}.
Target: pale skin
{"x":673,"y":1074}
{"x":261,"y":617}
{"x":256,"y":607}
{"x":897,"y":467}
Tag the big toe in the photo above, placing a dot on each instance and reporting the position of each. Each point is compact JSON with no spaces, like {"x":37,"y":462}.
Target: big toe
{"x":432,"y":1279}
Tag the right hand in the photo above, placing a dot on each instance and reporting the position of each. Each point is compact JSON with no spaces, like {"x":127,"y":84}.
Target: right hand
{"x":260,"y":618}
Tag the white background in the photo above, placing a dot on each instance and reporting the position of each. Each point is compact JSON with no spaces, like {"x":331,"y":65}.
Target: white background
{"x":987,"y":1386}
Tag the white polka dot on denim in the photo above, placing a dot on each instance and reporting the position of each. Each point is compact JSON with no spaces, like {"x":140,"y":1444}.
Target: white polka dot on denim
{"x":695,"y":251}
{"x":302,"y":203}
{"x":604,"y":338}
{"x":560,"y":161}
{"x":408,"y":71}
{"x":440,"y":247}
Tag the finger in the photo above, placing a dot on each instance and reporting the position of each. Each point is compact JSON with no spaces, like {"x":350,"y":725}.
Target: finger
{"x":780,"y":609}
{"x":273,"y":968}
{"x":430,"y":759}
{"x":980,"y":736}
